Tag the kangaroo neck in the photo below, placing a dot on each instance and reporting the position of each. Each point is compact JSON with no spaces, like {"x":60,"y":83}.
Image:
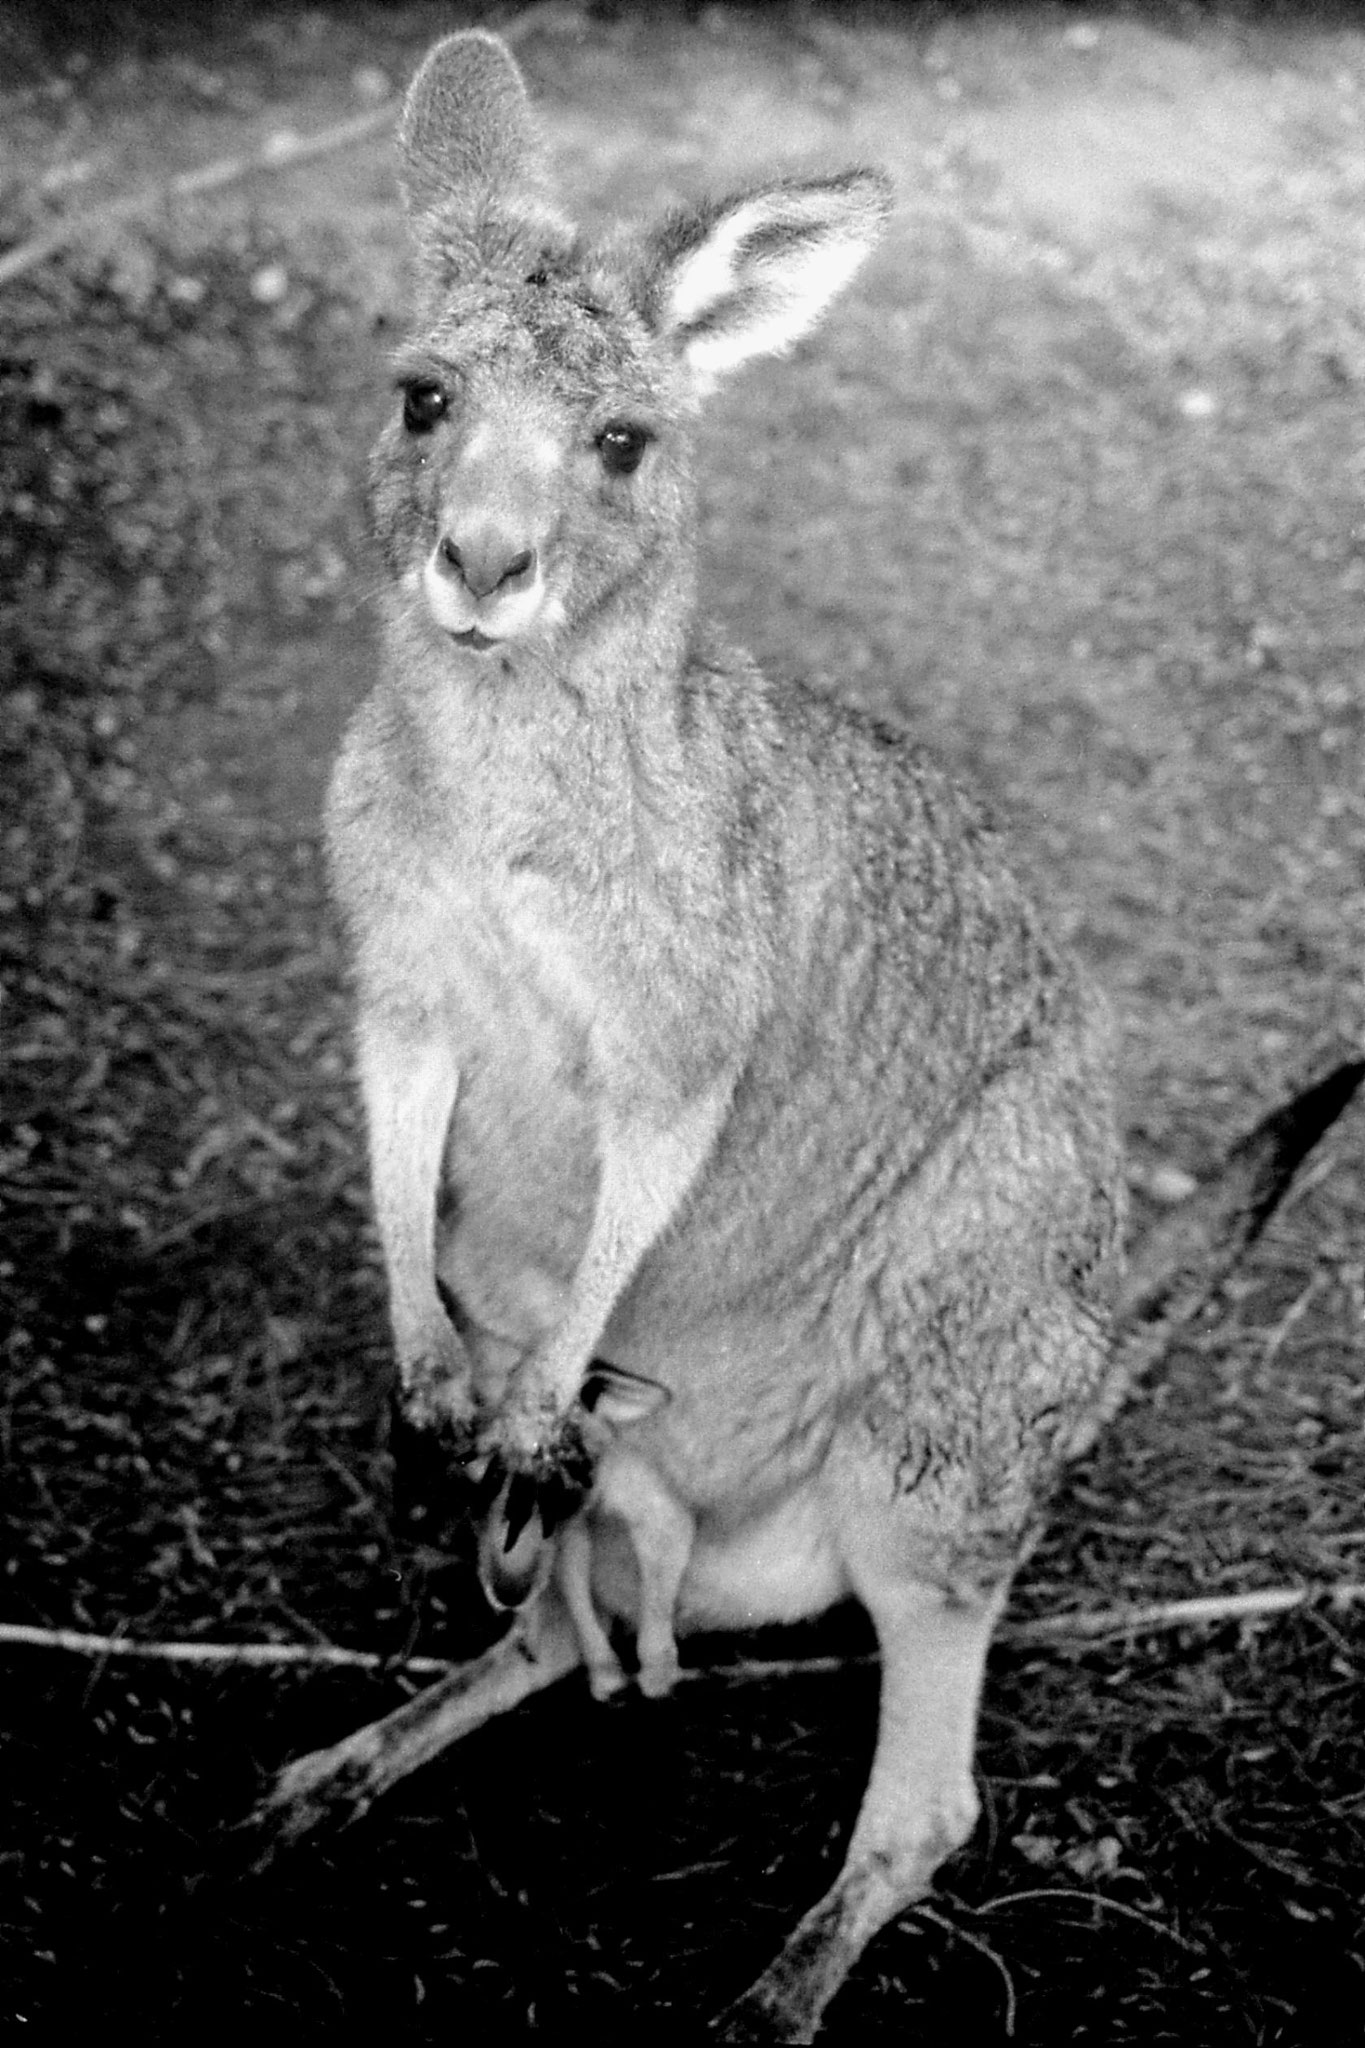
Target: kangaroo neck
{"x":605,"y":676}
{"x":625,"y":653}
{"x":579,"y":736}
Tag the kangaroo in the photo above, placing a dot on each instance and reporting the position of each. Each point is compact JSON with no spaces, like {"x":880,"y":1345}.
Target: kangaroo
{"x":742,"y":1141}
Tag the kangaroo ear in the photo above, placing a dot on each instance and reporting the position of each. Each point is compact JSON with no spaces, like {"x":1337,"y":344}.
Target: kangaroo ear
{"x":617,"y":1397}
{"x":470,"y":160}
{"x":465,"y":129}
{"x":751,"y":276}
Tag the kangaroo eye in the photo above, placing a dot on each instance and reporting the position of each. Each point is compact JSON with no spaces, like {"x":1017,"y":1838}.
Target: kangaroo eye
{"x":622,"y":448}
{"x":424,"y":402}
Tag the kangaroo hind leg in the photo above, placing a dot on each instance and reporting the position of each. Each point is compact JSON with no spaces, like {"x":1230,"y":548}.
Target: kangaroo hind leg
{"x":920,"y":1805}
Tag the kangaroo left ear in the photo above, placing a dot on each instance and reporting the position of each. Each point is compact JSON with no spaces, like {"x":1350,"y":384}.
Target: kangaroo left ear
{"x":751,"y":276}
{"x":618,"y":1398}
{"x":472,"y":163}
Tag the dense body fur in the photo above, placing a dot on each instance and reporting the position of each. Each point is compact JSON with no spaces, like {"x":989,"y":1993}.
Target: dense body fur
{"x":832,"y":926}
{"x":703,"y":1029}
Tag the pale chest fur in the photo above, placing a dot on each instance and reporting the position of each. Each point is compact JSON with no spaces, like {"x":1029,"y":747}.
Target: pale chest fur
{"x":521,"y":1158}
{"x":569,"y":982}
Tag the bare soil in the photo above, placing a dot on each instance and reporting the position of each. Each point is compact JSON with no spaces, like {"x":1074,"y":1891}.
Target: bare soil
{"x":1072,"y":485}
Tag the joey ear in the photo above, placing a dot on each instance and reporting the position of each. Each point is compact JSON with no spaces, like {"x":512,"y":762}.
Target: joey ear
{"x":469,"y":150}
{"x":751,"y":276}
{"x":618,"y":1398}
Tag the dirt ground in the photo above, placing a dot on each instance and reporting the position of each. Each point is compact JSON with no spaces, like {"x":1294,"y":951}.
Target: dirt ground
{"x":1071,"y":484}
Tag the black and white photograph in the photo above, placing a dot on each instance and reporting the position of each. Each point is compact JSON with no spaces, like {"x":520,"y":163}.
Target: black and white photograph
{"x":682,"y":1021}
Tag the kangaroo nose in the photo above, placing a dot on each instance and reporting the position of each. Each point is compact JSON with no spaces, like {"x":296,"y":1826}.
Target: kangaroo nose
{"x":487,"y":561}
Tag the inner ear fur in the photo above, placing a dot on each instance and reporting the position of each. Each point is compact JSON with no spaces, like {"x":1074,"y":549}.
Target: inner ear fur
{"x":751,"y":274}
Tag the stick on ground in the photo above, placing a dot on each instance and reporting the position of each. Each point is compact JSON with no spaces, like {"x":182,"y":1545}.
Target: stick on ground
{"x":1080,"y":1625}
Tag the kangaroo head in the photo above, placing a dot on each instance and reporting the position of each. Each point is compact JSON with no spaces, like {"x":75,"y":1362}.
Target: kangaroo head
{"x":535,"y":477}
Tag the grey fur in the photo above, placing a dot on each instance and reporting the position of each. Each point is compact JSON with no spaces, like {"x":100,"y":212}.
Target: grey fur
{"x":703,"y":1026}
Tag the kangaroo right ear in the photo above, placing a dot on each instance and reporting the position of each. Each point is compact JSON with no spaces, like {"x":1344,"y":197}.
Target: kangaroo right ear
{"x":750,"y":276}
{"x":470,"y":160}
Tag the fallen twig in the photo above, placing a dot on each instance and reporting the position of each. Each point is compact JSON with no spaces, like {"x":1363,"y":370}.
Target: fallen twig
{"x":1101,"y":1624}
{"x":1207,"y":1611}
{"x":280,"y":151}
{"x":1096,"y":1625}
{"x":257,"y":1655}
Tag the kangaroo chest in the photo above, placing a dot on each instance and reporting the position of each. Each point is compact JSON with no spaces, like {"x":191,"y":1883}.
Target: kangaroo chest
{"x":521,"y":1156}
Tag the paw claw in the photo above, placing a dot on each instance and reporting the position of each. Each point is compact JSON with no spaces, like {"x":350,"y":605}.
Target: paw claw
{"x":519,"y":1504}
{"x":511,"y":1553}
{"x":488,"y":1476}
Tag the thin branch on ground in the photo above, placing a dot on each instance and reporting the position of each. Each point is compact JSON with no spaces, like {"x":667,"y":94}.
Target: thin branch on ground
{"x":281,"y":150}
{"x":258,"y":1655}
{"x":1093,"y":1902}
{"x":984,"y":1949}
{"x":1208,"y":1611}
{"x":1094,"y":1626}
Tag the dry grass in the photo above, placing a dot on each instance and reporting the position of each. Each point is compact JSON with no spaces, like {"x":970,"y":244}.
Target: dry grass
{"x":194,"y":1357}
